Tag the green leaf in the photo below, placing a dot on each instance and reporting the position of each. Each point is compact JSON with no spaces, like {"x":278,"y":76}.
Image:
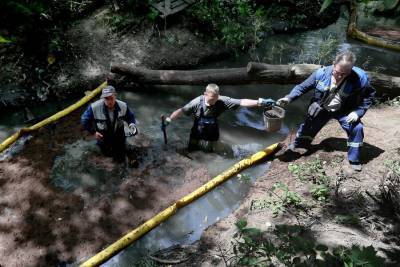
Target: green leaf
{"x":252,"y":231}
{"x":321,"y":248}
{"x":325,"y":5}
{"x":241,"y":224}
{"x":365,"y":256}
{"x":390,"y":4}
{"x":4,"y":40}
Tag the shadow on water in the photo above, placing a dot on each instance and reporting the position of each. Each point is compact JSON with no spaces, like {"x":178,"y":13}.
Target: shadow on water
{"x":76,"y":171}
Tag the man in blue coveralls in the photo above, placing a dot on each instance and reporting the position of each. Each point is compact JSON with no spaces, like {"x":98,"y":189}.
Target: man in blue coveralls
{"x":341,"y":91}
{"x":104,"y":119}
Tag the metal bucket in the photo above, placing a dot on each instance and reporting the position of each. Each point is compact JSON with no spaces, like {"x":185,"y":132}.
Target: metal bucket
{"x":273,"y":118}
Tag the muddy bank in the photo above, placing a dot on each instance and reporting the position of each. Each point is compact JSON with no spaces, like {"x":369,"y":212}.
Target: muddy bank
{"x":62,"y":201}
{"x":351,"y":214}
{"x":92,"y":46}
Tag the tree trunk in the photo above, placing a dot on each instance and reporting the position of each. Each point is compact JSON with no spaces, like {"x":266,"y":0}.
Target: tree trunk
{"x":253,"y":73}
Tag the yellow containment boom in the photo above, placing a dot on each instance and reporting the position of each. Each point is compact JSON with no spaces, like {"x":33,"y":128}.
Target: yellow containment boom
{"x":129,"y":238}
{"x":10,"y":140}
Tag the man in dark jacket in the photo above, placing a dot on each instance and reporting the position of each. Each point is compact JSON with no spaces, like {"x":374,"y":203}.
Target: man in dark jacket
{"x":105,"y":120}
{"x":341,"y":91}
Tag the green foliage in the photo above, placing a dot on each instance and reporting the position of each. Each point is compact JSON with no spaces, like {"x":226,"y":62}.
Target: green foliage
{"x":314,"y":172}
{"x":347,"y":219}
{"x":310,"y":171}
{"x":357,"y":256}
{"x":325,"y":5}
{"x":35,"y":24}
{"x":244,"y":178}
{"x":130,"y":15}
{"x":320,"y":192}
{"x":236,"y":23}
{"x":280,"y":199}
{"x":292,"y":247}
{"x":390,"y":184}
{"x":119,"y":22}
{"x":390,"y":4}
{"x":393,"y":164}
{"x":152,"y":14}
{"x":4,"y":40}
{"x":326,"y":50}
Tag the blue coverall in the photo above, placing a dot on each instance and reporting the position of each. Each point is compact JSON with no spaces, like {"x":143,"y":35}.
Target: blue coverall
{"x":357,"y":95}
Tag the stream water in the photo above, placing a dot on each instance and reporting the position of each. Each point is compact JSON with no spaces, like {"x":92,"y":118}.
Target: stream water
{"x":243,"y":130}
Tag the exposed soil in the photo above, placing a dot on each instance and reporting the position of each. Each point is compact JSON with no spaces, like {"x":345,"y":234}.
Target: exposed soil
{"x":43,"y":225}
{"x":357,"y":195}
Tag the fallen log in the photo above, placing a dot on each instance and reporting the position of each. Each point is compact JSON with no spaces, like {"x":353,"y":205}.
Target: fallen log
{"x":254,"y":73}
{"x":355,"y":33}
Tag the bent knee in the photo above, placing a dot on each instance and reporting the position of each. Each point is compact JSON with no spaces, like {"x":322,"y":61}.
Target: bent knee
{"x":358,"y":127}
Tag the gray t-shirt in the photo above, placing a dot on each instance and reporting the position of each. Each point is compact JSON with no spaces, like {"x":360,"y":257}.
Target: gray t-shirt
{"x":223,"y":103}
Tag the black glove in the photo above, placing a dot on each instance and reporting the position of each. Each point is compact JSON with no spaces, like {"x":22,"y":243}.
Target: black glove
{"x":266,"y":102}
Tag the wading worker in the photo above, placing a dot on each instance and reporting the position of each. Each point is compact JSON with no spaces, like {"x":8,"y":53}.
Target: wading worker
{"x":205,"y":110}
{"x":342,"y":92}
{"x":105,"y":120}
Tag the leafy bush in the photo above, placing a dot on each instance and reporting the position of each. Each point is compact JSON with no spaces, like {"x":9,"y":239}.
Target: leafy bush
{"x":236,"y":23}
{"x":320,"y":192}
{"x":390,"y":185}
{"x":293,"y":247}
{"x":35,"y":24}
{"x":313,"y":171}
{"x":348,"y":219}
{"x":280,"y":199}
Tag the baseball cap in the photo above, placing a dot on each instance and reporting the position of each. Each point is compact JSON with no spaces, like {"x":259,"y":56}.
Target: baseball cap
{"x":107,"y":91}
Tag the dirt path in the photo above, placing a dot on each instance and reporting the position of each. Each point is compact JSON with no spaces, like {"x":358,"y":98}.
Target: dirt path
{"x":349,"y":217}
{"x":44,"y":225}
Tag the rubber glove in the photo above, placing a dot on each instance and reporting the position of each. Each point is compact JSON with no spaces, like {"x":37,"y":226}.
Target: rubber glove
{"x":265,"y":102}
{"x":134,"y":129}
{"x":167,"y":121}
{"x":282,"y":102}
{"x":352,"y":117}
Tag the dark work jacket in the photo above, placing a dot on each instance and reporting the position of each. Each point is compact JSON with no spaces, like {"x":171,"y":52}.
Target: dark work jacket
{"x":357,"y":95}
{"x":94,"y":119}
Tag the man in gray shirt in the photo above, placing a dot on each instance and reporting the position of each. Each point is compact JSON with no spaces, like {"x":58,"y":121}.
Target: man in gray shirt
{"x":205,"y":110}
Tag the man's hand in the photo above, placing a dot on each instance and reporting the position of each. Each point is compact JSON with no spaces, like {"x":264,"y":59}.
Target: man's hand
{"x":98,"y":136}
{"x":282,"y":102}
{"x":265,"y":102}
{"x":352,"y":117}
{"x":134,"y":129}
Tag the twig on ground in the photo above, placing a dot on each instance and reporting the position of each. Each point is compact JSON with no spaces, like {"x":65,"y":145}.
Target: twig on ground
{"x":154,"y":258}
{"x":373,"y":197}
{"x":222,"y":255}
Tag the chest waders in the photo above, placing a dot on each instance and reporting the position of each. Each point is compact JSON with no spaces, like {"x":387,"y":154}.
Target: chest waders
{"x":204,"y":128}
{"x":113,"y":143}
